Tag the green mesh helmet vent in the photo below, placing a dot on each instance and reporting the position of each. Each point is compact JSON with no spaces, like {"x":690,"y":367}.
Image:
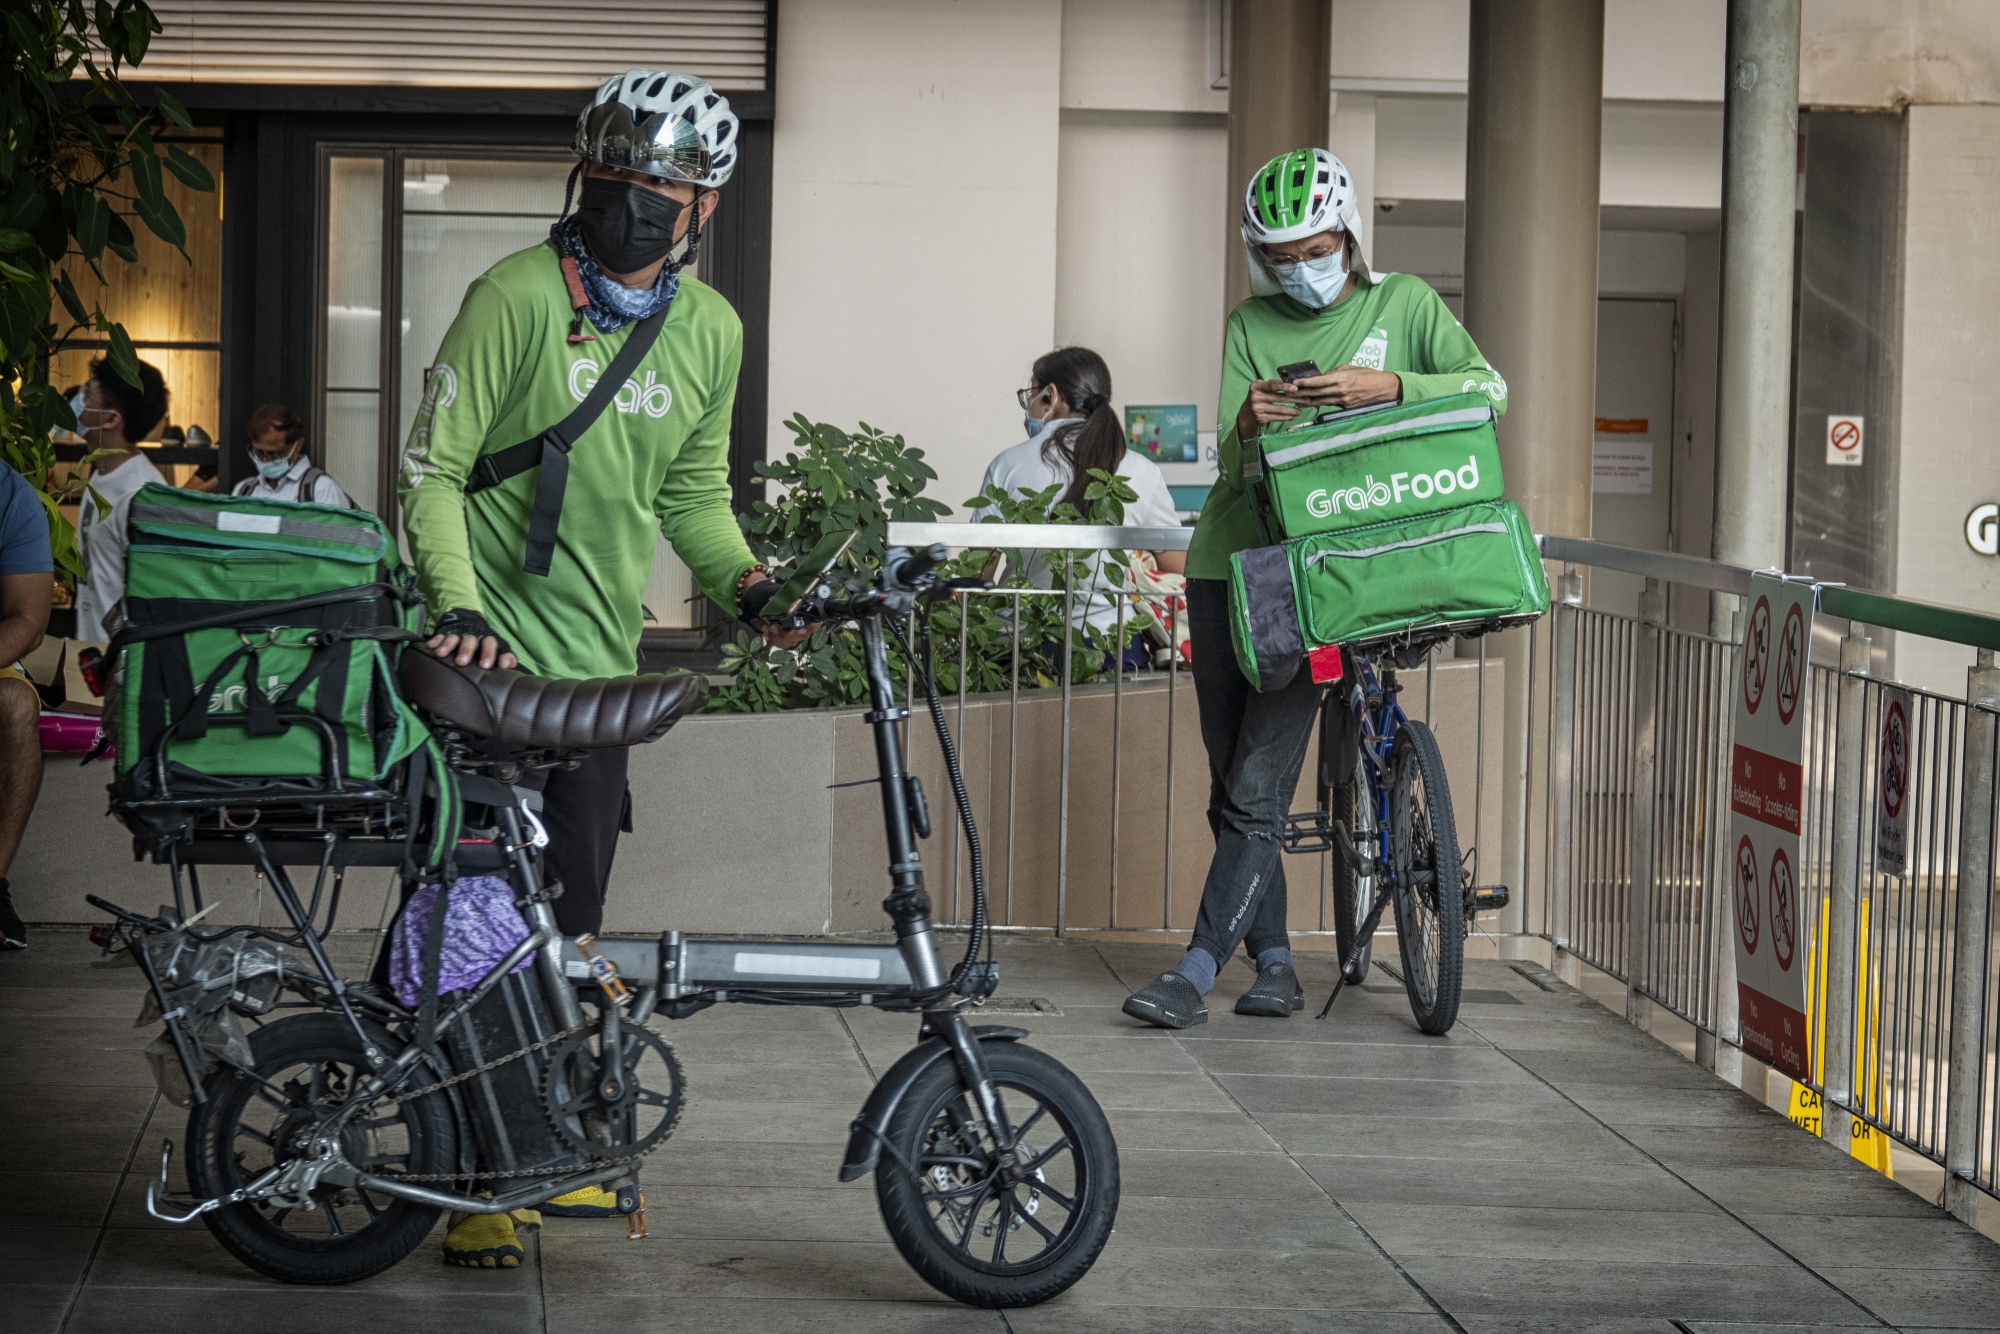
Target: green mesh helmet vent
{"x":1292,"y":190}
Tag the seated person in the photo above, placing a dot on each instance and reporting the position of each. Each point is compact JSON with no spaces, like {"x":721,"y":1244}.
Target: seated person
{"x":284,"y":470}
{"x":26,"y":581}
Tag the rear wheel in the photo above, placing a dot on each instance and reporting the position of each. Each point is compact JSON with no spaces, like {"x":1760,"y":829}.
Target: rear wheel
{"x":989,"y":1233}
{"x":309,"y":1064}
{"x":1354,"y":893}
{"x":1430,"y":902}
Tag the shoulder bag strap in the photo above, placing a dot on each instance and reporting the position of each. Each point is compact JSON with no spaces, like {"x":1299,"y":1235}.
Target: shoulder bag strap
{"x":550,"y":450}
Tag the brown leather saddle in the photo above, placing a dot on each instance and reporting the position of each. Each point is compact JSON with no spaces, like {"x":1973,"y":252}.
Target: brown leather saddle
{"x":515,"y":708}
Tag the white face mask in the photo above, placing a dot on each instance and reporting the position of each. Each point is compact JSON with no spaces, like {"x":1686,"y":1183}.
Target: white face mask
{"x":1313,"y":282}
{"x":1034,"y":424}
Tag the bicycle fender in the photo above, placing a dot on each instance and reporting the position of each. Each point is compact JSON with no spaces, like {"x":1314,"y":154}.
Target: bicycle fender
{"x":864,"y":1142}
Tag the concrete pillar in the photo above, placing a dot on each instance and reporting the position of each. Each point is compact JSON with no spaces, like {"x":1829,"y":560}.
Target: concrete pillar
{"x":1278,"y":72}
{"x":1759,"y":189}
{"x":1533,"y":132}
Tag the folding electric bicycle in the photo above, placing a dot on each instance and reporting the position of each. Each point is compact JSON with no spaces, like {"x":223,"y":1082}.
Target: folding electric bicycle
{"x":1385,"y":813}
{"x":324,"y":1141}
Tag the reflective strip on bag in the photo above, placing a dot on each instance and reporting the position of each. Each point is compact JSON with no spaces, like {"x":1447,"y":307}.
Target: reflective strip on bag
{"x":1331,"y":554}
{"x":1279,"y":458}
{"x":271,"y":525}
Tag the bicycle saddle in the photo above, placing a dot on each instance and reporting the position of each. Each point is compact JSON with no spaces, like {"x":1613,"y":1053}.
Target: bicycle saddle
{"x":525,"y":710}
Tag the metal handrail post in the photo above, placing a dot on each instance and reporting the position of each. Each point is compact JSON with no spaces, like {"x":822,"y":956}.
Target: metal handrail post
{"x":1722,"y":1052}
{"x":1068,"y":672}
{"x":1645,"y":793}
{"x":1562,"y":755}
{"x":1838,"y":969}
{"x":1970,"y":936}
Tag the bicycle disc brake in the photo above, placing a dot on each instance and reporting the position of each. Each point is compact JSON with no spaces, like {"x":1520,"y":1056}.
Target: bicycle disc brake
{"x":628,"y":1125}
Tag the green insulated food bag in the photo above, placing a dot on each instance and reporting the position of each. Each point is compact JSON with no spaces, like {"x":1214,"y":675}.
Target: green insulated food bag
{"x":1474,"y":566}
{"x":257,"y":656}
{"x":1348,"y":469}
{"x":1464,"y":570}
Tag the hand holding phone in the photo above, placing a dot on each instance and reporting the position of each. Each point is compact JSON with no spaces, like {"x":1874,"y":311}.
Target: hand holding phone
{"x":1298,"y":370}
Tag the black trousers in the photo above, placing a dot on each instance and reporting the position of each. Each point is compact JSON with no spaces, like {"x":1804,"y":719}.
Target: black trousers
{"x":1256,"y":743}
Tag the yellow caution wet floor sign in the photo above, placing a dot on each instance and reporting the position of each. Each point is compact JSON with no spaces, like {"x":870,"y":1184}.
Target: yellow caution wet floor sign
{"x":1865,"y":1142}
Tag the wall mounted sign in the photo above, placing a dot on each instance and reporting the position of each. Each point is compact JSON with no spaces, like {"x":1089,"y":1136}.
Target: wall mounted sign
{"x":1843,"y":442}
{"x":1982,"y":529}
{"x":1895,"y":756}
{"x":1164,"y":433}
{"x":1767,"y":799}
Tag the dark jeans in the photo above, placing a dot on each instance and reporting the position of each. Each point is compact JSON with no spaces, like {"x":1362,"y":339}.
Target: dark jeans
{"x":584,"y":809}
{"x":1256,"y":743}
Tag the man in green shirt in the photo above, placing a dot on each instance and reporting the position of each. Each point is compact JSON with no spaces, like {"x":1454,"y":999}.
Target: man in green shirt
{"x":534,"y":335}
{"x":1389,"y":338}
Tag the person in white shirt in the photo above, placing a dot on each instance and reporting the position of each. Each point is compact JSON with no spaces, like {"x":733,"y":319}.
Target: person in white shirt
{"x":112,"y":417}
{"x":1072,"y":431}
{"x":284,"y":471}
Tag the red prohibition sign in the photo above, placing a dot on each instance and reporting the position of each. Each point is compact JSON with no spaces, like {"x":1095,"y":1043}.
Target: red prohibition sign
{"x":1846,"y":436}
{"x":1746,"y":894}
{"x":1784,"y":910}
{"x":1791,"y":665}
{"x":1895,"y":759}
{"x":1756,"y":653}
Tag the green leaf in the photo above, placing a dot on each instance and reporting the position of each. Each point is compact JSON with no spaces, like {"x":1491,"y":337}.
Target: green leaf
{"x":12,"y":241}
{"x":124,"y":359}
{"x":91,"y":223}
{"x":163,"y":220}
{"x":171,"y":108}
{"x":146,"y":176}
{"x":122,"y":241}
{"x":192,"y":172}
{"x":72,"y":302}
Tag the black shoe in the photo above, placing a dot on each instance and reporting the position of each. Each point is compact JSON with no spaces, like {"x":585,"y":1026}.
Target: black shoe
{"x":1275,"y":993}
{"x":13,"y":931}
{"x":1170,"y":1001}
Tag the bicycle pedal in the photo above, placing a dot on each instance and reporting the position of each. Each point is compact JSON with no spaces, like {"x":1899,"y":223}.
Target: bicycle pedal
{"x":1485,"y":898}
{"x":635,"y":1222}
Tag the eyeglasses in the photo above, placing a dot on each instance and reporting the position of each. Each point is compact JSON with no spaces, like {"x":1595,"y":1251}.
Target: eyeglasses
{"x":1026,"y":397}
{"x":1291,"y":261}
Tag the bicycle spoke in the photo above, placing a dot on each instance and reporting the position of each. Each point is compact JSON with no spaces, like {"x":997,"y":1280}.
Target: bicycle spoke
{"x":1046,"y":1154}
{"x":1035,"y":1223}
{"x":966,"y":1161}
{"x":333,"y":1227}
{"x":1005,"y":1200}
{"x":971,"y":1213}
{"x":1021,"y":1131}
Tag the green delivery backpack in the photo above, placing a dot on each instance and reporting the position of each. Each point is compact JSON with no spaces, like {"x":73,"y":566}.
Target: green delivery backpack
{"x":257,"y":658}
{"x":1370,"y":465}
{"x":1458,"y":571}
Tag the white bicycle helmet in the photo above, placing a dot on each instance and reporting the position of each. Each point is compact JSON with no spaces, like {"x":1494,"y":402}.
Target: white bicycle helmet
{"x":1295,"y":195}
{"x":673,"y":126}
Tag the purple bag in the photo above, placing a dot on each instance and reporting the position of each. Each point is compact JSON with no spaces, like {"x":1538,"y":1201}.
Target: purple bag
{"x":481,"y":925}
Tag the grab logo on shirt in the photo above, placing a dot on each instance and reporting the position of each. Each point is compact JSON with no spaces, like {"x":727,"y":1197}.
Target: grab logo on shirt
{"x":649,"y":396}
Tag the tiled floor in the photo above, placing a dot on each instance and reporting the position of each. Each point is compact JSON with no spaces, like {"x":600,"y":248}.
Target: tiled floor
{"x":1543,"y":1167}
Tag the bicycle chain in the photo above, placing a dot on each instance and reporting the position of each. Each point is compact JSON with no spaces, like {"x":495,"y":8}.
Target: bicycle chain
{"x":495,"y":1064}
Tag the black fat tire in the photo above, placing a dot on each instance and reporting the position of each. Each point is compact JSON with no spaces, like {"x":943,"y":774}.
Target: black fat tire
{"x":1424,"y":838}
{"x":244,"y":1229}
{"x":1012,"y":1067}
{"x":1354,"y":807}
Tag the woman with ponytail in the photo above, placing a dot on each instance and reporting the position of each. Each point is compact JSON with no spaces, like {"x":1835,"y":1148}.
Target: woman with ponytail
{"x":1072,"y":431}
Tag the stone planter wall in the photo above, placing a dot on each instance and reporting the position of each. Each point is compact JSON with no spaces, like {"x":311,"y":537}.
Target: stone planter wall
{"x":739,"y":825}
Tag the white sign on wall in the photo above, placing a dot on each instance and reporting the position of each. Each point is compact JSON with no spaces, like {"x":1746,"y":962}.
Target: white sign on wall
{"x":1982,"y":529}
{"x":1766,"y":802}
{"x":1621,"y":467}
{"x":1895,"y":753}
{"x":1843,"y":442}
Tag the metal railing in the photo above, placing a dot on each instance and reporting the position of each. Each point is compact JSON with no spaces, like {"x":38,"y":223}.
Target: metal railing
{"x":1623,"y":828}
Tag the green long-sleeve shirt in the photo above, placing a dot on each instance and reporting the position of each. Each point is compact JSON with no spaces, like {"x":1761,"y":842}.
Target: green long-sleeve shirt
{"x":655,"y":461}
{"x":1398,"y":323}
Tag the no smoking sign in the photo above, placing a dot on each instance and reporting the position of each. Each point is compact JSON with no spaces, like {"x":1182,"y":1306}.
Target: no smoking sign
{"x":1843,"y":442}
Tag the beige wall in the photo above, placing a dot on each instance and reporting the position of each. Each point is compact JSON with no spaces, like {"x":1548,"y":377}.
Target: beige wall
{"x":1951,"y":289}
{"x":913,"y":237}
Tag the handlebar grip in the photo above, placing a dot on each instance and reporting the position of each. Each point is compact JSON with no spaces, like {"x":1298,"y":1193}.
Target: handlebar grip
{"x":913,"y":565}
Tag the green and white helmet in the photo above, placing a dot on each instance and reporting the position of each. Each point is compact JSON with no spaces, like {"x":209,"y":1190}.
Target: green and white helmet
{"x":1295,"y":195}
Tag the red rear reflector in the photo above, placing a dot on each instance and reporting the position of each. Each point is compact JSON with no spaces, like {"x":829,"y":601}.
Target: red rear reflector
{"x":1325,"y":663}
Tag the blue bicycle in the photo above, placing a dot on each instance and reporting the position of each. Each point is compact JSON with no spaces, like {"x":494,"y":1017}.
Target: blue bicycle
{"x":1385,"y":813}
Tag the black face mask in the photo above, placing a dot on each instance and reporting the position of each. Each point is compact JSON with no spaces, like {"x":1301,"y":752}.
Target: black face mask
{"x":625,"y":225}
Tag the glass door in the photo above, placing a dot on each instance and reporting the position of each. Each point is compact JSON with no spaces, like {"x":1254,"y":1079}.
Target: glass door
{"x":414,"y":249}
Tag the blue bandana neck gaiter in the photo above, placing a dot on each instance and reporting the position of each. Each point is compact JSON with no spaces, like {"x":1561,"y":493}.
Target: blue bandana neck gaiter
{"x":613,"y":305}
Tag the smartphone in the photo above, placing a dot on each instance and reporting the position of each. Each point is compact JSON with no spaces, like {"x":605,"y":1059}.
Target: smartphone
{"x":807,"y":574}
{"x":1298,"y":370}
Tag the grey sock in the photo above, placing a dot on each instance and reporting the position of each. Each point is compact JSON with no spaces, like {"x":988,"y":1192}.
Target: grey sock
{"x":1276,"y":954}
{"x":1198,"y":966}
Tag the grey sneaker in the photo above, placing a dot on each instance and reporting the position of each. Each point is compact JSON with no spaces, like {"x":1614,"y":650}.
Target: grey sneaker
{"x":1274,"y":995}
{"x":1169,"y":1001}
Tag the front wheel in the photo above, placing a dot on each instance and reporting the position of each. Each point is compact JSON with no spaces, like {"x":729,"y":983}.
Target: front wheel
{"x":996,"y":1230}
{"x":1430,"y":901}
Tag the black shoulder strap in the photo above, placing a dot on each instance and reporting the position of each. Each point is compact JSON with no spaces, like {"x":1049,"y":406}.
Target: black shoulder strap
{"x":550,"y":450}
{"x":308,"y":482}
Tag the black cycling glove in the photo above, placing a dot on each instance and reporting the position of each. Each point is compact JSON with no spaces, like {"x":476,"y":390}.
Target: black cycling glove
{"x":463,"y":621}
{"x":752,"y":600}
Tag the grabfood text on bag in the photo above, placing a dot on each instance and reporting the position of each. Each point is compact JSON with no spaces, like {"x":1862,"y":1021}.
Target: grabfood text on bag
{"x":1324,"y":503}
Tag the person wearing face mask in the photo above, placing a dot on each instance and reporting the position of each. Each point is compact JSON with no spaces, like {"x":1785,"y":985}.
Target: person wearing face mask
{"x":545,"y":462}
{"x":1073,"y":431}
{"x":284,"y":471}
{"x":1371,"y":338}
{"x":112,"y":416}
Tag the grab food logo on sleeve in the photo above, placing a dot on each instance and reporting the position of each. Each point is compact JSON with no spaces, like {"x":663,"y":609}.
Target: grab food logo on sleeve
{"x":649,"y":395}
{"x":440,"y":392}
